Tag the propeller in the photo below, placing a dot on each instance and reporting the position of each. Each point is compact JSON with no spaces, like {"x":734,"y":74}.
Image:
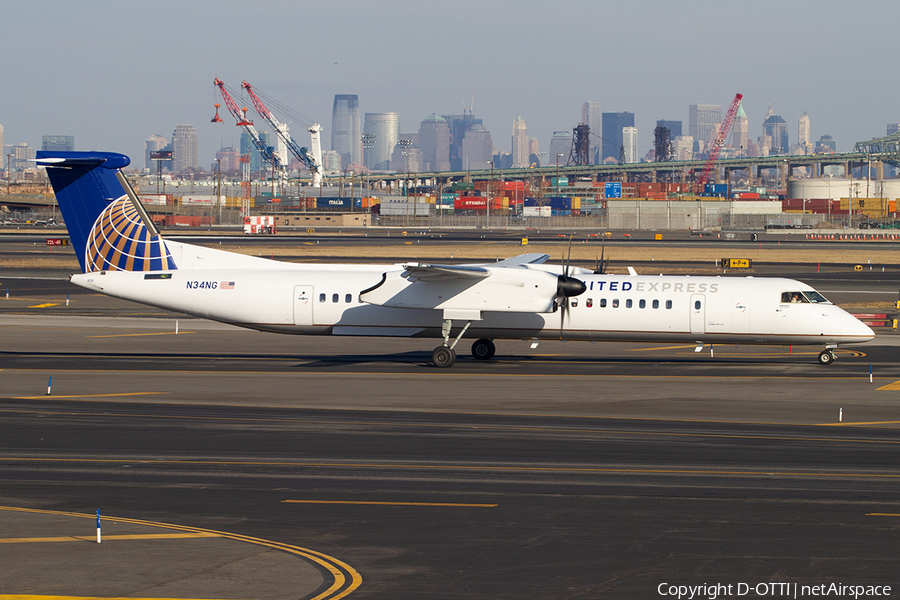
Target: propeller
{"x":567,"y":287}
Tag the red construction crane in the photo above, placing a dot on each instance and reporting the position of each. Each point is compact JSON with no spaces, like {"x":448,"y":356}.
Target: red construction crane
{"x":724,"y":130}
{"x":242,"y":121}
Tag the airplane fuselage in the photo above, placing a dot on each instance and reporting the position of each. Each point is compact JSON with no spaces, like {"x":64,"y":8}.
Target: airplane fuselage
{"x":314,"y":299}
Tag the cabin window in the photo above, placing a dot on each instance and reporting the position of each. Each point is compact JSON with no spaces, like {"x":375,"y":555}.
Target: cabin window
{"x":602,"y":302}
{"x":574,"y":302}
{"x":589,"y":302}
{"x":656,"y":304}
{"x":321,"y":297}
{"x":696,"y":305}
{"x":335,"y":297}
{"x":668,"y":304}
{"x":615,"y":303}
{"x":348,"y":298}
{"x":642,"y":303}
{"x":628,"y":303}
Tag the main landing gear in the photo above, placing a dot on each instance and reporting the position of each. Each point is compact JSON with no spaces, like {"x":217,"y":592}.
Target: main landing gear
{"x":445,"y":355}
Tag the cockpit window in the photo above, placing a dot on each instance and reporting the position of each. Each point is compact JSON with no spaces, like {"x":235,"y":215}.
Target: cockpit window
{"x":815,"y":297}
{"x":799,"y":297}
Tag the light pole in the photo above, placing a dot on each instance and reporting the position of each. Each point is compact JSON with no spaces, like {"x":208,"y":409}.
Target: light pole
{"x":406,"y":146}
{"x":557,"y":173}
{"x":219,"y":187}
{"x":368,"y":142}
{"x":490,"y":195}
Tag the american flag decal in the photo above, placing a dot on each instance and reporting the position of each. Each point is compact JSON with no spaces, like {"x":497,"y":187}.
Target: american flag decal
{"x":226,"y":285}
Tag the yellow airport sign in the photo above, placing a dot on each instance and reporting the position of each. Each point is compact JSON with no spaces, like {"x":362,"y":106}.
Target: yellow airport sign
{"x":737,"y":263}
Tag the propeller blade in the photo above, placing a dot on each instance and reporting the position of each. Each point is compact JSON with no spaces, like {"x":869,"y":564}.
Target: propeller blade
{"x":562,"y":316}
{"x":601,"y":264}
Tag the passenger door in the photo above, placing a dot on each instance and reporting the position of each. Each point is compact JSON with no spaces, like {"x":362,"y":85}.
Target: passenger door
{"x":698,"y":313}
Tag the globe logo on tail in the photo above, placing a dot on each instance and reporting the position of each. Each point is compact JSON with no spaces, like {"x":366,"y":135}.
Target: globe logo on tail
{"x":119,"y":241}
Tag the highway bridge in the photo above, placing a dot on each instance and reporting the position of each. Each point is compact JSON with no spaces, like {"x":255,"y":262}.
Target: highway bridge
{"x":751,"y":167}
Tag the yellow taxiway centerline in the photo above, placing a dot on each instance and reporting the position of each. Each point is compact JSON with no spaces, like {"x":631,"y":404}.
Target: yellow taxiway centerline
{"x":140,"y":334}
{"x":92,"y":395}
{"x":452,"y":504}
{"x":79,"y":538}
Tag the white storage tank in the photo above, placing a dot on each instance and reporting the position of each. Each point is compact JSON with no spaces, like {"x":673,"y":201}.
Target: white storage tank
{"x":835,"y":189}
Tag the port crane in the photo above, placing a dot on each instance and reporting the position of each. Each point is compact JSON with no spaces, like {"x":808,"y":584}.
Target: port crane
{"x":242,"y":121}
{"x":719,"y":142}
{"x":312,"y":160}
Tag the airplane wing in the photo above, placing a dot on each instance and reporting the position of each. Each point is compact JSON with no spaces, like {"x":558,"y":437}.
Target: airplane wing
{"x":432,"y":273}
{"x":521,"y":260}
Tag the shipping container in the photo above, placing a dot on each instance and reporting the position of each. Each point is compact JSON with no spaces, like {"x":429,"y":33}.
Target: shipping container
{"x":155,"y":199}
{"x":559,"y":202}
{"x":183,"y":220}
{"x":197,"y":199}
{"x":411,"y":209}
{"x":559,"y":181}
{"x":536,"y":211}
{"x":337,"y":204}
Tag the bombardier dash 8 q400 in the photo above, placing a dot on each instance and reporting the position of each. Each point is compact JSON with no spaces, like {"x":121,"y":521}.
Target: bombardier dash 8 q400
{"x":122,"y":254}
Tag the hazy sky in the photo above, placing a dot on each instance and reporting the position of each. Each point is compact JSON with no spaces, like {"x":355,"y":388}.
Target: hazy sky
{"x":112,"y":73}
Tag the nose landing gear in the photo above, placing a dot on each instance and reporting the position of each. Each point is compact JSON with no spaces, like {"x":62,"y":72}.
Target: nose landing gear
{"x":826,"y":357}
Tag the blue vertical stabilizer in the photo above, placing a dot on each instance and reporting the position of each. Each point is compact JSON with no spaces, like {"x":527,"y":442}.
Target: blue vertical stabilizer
{"x":105,"y":228}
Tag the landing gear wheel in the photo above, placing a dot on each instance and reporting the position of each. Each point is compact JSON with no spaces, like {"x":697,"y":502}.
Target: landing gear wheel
{"x":443,"y":357}
{"x":483,"y":349}
{"x":826,"y":357}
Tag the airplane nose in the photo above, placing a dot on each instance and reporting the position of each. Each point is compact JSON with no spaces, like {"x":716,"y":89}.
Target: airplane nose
{"x":850,"y":325}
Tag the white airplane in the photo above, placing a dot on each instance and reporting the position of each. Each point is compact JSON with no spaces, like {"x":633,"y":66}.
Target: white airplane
{"x":123,"y":255}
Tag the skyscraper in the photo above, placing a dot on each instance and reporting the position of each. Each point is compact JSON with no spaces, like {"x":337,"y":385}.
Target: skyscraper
{"x":434,"y":141}
{"x":702,"y":121}
{"x":248,"y":147}
{"x":630,"y":144}
{"x":533,"y":152}
{"x":54,"y":143}
{"x":593,"y":118}
{"x":153,"y":143}
{"x":560,"y":147}
{"x":186,"y":149}
{"x":674,"y":127}
{"x":477,"y":148}
{"x":740,"y":132}
{"x":346,"y":139}
{"x":891,"y":129}
{"x":2,"y":151}
{"x":612,"y":133}
{"x":386,"y":128}
{"x":228,"y":160}
{"x":459,"y":125}
{"x":777,"y":128}
{"x":803,"y":134}
{"x":520,"y":144}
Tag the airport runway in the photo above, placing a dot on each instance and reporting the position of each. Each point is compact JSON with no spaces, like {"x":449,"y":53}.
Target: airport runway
{"x":573,"y":470}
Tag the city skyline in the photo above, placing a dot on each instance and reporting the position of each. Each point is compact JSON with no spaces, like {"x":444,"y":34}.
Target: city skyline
{"x":135,"y":92}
